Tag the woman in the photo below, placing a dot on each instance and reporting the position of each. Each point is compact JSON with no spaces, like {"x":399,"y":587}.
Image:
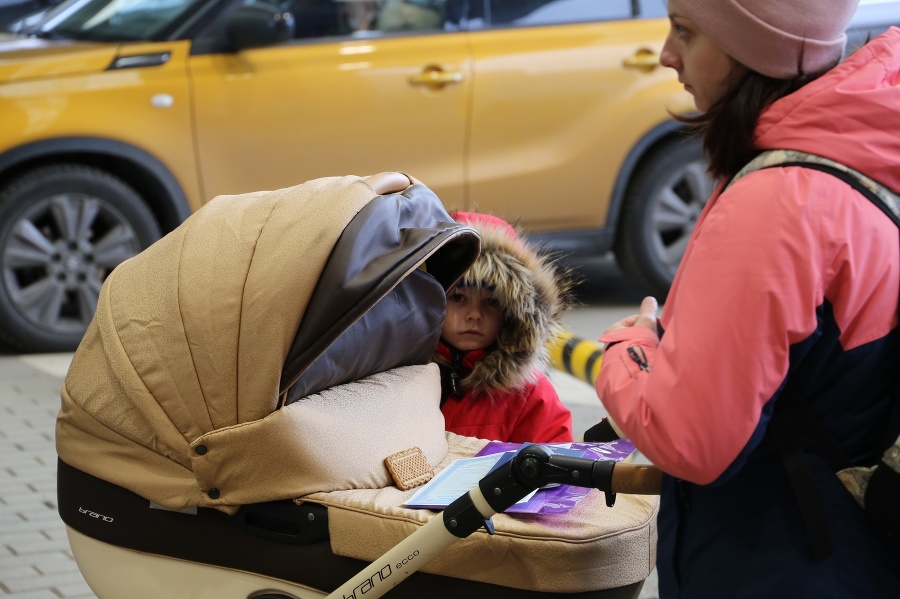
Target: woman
{"x":787,"y":290}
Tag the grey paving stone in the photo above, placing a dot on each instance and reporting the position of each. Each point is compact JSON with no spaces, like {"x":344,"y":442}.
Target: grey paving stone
{"x":44,"y":525}
{"x":41,"y":582}
{"x":75,"y":591}
{"x":28,"y":502}
{"x":18,"y":571}
{"x":35,"y":559}
{"x":56,"y":564}
{"x":40,"y":594}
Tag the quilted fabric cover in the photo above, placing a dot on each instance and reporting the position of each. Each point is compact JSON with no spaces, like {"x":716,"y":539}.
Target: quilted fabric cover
{"x":591,"y":547}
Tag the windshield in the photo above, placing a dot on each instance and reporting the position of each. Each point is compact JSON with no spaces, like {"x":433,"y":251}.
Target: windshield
{"x":115,"y":20}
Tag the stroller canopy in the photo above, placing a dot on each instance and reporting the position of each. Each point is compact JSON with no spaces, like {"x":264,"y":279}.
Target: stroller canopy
{"x":202,"y":342}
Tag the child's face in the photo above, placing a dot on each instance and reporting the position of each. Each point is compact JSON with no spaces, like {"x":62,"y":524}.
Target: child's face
{"x":473,"y":318}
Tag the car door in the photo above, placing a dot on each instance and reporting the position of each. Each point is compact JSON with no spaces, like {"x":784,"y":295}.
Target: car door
{"x":341,"y":103}
{"x":564,"y":89}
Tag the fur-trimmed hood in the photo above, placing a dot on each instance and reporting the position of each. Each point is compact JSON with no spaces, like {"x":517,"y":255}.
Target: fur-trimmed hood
{"x":533,"y":293}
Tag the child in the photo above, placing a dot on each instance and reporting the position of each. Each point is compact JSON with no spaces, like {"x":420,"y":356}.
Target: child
{"x":493,"y":345}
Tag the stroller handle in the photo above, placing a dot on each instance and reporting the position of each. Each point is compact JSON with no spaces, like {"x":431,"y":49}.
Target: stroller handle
{"x":636,"y":479}
{"x":535,"y":466}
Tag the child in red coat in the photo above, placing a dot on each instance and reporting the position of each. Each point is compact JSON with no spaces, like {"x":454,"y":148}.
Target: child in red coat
{"x":492,"y":351}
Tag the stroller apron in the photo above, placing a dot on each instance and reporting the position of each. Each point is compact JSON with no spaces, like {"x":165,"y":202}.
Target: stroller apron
{"x":225,"y":419}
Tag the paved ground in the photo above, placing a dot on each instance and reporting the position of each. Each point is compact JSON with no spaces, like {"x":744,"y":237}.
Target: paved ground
{"x":35,"y":562}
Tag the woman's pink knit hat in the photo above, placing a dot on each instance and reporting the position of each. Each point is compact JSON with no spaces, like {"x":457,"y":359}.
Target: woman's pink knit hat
{"x":778,"y":38}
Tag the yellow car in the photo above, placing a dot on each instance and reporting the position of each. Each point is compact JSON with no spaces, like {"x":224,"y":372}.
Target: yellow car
{"x":118,"y":118}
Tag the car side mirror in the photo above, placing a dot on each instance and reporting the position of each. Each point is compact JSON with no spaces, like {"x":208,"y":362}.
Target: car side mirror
{"x":259,"y":24}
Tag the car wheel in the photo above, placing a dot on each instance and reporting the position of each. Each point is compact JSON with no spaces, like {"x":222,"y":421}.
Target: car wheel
{"x":63,"y":228}
{"x":666,"y":195}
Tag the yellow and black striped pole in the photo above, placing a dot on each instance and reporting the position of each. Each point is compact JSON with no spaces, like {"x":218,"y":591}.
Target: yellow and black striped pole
{"x":577,"y":356}
{"x":582,"y":359}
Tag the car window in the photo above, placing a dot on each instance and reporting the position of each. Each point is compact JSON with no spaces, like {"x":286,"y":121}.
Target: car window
{"x":116,"y":20}
{"x":550,"y":12}
{"x":364,"y":18}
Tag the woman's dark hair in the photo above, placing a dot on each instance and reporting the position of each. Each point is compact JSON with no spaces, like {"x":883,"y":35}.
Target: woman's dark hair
{"x":727,"y":127}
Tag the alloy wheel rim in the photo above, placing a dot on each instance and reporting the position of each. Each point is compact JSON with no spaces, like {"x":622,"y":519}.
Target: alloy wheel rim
{"x":675,"y":212}
{"x":57,"y":256}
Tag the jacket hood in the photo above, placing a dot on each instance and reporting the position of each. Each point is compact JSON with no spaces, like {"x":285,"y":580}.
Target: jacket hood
{"x":845,"y":115}
{"x":182,"y":383}
{"x":533,"y":294}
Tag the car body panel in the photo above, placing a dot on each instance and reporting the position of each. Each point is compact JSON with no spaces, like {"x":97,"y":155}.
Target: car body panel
{"x":310,"y":110}
{"x":26,"y":59}
{"x":529,"y":150}
{"x":33,"y":59}
{"x":147,"y":108}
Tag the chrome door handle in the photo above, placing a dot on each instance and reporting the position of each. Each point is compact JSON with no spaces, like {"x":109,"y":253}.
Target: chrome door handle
{"x":435,"y":77}
{"x":644,"y":60}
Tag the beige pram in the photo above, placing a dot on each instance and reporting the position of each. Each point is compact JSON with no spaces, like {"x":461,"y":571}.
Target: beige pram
{"x":225,"y":419}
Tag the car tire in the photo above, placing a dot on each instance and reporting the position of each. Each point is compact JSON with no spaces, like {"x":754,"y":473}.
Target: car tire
{"x":664,"y":198}
{"x":63,"y":228}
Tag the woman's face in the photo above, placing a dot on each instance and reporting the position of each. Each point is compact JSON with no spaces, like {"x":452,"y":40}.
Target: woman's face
{"x":705,"y":70}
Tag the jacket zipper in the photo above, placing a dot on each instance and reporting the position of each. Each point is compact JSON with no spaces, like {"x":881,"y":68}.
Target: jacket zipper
{"x":637,"y":354}
{"x":455,"y":380}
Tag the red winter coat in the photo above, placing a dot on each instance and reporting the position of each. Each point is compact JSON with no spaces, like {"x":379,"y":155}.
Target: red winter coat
{"x":532,"y":412}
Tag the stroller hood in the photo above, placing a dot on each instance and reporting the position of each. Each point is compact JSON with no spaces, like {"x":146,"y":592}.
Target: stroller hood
{"x":184,"y":386}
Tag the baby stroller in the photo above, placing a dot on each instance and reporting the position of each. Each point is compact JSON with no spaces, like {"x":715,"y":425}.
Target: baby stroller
{"x":225,"y":419}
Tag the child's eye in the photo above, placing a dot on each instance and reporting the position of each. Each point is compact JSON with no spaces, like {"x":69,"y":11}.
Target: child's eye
{"x":456,"y":297}
{"x":492,"y":302}
{"x":680,"y":31}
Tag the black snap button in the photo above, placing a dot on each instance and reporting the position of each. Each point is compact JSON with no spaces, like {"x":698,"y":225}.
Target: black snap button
{"x":213,"y":493}
{"x":200,"y":450}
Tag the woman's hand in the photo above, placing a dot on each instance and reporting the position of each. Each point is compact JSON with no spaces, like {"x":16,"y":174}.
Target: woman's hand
{"x":645,"y":318}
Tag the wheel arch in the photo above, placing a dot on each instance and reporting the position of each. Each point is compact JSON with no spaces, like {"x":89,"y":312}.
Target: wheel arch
{"x":650,"y":142}
{"x":146,"y":174}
